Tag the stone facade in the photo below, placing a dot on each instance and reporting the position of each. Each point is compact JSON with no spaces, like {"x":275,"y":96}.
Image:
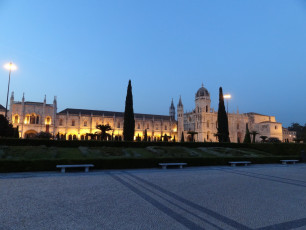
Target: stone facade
{"x":70,"y":124}
{"x":288,"y":136}
{"x":203,"y":121}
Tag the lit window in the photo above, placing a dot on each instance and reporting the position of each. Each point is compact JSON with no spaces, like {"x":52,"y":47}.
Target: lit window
{"x":48,"y":121}
{"x":16,"y":119}
{"x":32,"y":119}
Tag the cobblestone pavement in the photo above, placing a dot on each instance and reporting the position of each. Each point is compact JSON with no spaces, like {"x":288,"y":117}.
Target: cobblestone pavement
{"x":246,"y":197}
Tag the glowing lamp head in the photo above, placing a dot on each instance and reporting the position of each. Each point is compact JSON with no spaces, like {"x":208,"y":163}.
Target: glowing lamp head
{"x":10,"y":66}
{"x":227,"y":96}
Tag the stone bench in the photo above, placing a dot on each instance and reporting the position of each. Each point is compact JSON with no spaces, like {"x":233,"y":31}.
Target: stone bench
{"x":284,"y":162}
{"x":63,"y":167}
{"x":164,"y":165}
{"x":234,"y":163}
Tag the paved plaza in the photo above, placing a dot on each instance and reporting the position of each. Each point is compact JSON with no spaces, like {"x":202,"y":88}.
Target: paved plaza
{"x":246,"y":197}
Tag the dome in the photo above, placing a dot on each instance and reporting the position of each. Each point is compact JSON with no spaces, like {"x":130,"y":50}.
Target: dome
{"x":202,"y":92}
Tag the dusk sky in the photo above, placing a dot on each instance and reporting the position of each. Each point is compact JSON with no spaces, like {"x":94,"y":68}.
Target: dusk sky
{"x":84,"y":52}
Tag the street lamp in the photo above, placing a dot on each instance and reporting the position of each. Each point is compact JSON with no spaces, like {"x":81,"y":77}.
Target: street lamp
{"x":9,"y":66}
{"x":227,"y":97}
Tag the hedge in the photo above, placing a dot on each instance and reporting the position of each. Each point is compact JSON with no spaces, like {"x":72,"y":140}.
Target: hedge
{"x":128,"y":163}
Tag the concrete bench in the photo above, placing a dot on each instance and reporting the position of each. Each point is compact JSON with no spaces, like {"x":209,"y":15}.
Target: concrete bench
{"x":63,"y":167}
{"x":284,"y":162}
{"x":234,"y":163}
{"x":164,"y":165}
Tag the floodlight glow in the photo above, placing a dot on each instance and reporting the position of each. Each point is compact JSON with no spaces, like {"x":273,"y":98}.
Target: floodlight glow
{"x":10,"y":66}
{"x":227,"y":96}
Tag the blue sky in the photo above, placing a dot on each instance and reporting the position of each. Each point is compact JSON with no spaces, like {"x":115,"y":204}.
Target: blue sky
{"x":84,"y":52}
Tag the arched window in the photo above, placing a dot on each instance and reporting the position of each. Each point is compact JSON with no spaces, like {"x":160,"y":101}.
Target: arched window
{"x":166,"y":127}
{"x":61,"y":122}
{"x":85,"y":123}
{"x":70,"y":137}
{"x":32,"y":119}
{"x":73,"y":123}
{"x":148,"y":126}
{"x":16,"y":118}
{"x":48,"y":121}
{"x":138,"y":126}
{"x":37,"y":120}
{"x":118,"y":125}
{"x":74,"y":137}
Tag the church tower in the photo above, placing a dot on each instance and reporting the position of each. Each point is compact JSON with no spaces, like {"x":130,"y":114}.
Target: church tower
{"x":172,"y":110}
{"x":180,"y":119}
{"x":202,"y":100}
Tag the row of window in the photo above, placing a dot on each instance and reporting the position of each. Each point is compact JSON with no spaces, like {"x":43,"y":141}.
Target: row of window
{"x":118,"y":124}
{"x":32,"y":119}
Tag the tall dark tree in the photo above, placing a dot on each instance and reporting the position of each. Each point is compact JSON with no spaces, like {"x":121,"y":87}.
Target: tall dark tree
{"x":247,"y":137}
{"x":182,"y":137}
{"x":145,"y":136}
{"x":223,"y":134}
{"x":129,"y":121}
{"x":6,"y":129}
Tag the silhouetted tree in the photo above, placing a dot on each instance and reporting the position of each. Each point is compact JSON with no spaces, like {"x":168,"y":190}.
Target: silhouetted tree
{"x":129,"y":121}
{"x":247,"y":137}
{"x":300,"y":131}
{"x":263,"y":138}
{"x":182,"y":137}
{"x":138,"y":138}
{"x":223,"y":134}
{"x":192,"y":133}
{"x":254,"y":133}
{"x":44,"y":135}
{"x":103,"y":134}
{"x":166,"y":138}
{"x":6,"y":129}
{"x":145,"y":136}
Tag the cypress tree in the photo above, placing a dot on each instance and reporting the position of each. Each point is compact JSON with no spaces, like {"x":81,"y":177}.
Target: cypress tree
{"x":223,"y":134}
{"x":145,"y":137}
{"x":129,"y":121}
{"x":247,"y":137}
{"x":182,"y":137}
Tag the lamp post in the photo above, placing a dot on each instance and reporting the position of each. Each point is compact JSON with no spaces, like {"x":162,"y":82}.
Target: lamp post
{"x":227,"y":97}
{"x":10,"y":66}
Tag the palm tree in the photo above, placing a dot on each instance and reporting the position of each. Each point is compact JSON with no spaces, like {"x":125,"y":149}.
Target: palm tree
{"x":192,"y":133}
{"x":254,"y":133}
{"x":263,"y":138}
{"x":104,"y":129}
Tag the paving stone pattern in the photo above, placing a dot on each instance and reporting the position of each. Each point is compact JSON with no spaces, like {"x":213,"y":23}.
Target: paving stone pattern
{"x":253,"y":197}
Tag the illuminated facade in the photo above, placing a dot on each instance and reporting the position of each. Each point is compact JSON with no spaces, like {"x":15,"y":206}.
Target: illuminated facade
{"x":203,"y":121}
{"x":71,"y":124}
